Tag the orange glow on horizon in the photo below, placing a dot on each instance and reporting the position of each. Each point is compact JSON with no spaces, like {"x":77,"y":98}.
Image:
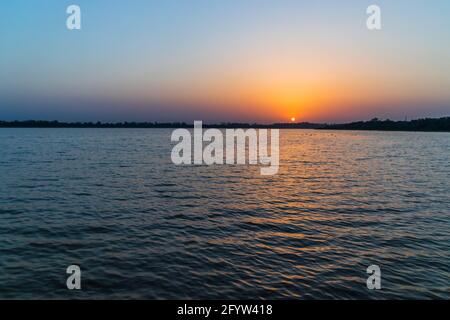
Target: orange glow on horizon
{"x":275,"y":86}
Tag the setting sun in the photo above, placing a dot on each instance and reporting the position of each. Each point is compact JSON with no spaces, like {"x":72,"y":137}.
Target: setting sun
{"x":293,"y":119}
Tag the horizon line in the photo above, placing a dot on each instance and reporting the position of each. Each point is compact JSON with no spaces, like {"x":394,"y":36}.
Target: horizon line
{"x":423,"y":124}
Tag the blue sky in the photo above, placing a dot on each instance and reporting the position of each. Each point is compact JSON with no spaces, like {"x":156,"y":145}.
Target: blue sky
{"x":217,"y":60}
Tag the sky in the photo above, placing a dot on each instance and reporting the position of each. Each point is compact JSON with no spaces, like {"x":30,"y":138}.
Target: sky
{"x":224,"y":60}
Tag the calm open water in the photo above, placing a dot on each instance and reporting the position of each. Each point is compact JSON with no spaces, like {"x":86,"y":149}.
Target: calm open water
{"x":111,"y":201}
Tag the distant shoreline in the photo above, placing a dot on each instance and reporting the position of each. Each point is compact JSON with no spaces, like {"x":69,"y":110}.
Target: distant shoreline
{"x":421,"y":125}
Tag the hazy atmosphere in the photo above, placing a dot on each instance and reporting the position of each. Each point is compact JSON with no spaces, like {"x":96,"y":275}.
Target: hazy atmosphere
{"x":250,"y":61}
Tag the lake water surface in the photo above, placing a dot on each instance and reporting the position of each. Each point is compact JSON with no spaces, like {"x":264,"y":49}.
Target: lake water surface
{"x":111,"y":201}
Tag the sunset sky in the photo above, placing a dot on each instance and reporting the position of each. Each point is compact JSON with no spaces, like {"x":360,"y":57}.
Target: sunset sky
{"x":224,"y":60}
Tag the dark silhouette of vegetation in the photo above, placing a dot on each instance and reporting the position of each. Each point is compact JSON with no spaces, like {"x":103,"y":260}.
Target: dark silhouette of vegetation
{"x":441,"y":124}
{"x":57,"y":124}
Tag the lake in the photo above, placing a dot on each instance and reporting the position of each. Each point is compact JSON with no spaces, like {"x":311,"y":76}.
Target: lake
{"x":139,"y":227}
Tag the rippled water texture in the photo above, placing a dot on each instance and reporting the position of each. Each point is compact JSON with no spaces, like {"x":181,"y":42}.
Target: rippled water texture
{"x":110,"y":201}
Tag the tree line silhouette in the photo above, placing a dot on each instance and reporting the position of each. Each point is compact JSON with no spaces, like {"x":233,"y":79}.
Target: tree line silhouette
{"x":427,"y":124}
